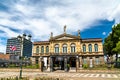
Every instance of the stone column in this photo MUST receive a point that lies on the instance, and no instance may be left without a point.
(101, 59)
(88, 61)
(77, 63)
(48, 69)
(94, 61)
(65, 64)
(33, 60)
(40, 64)
(80, 59)
(51, 64)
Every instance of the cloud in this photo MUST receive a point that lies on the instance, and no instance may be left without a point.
(2, 46)
(40, 17)
(104, 33)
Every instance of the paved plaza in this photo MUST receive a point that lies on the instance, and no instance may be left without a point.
(70, 76)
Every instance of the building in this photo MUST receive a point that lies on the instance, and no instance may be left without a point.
(22, 46)
(1, 52)
(67, 51)
(5, 56)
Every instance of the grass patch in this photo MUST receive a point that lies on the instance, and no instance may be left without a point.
(31, 67)
(100, 67)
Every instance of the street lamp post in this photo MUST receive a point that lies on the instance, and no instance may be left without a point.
(21, 44)
(21, 70)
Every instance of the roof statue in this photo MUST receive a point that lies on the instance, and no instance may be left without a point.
(79, 33)
(65, 29)
(51, 34)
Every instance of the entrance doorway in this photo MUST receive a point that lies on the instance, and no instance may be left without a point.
(91, 63)
(58, 63)
(72, 61)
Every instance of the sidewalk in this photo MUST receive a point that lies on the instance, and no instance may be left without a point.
(79, 71)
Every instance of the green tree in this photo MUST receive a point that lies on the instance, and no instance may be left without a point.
(116, 39)
(108, 45)
(111, 43)
(117, 48)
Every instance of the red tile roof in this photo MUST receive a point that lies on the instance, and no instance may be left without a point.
(5, 56)
(41, 42)
(92, 40)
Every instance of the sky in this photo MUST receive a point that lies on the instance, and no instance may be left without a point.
(94, 18)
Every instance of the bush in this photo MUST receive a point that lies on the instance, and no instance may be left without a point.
(12, 65)
(85, 66)
(36, 66)
(101, 66)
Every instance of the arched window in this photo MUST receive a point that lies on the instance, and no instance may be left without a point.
(47, 49)
(90, 47)
(72, 48)
(96, 47)
(65, 48)
(42, 49)
(84, 48)
(37, 49)
(56, 48)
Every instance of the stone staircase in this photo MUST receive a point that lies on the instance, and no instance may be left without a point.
(72, 69)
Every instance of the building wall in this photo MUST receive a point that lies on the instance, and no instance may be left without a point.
(27, 47)
(61, 43)
(100, 46)
(5, 56)
(79, 47)
(13, 42)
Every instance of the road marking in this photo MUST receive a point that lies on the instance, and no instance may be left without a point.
(108, 76)
(115, 76)
(103, 75)
(97, 75)
(76, 75)
(80, 75)
(92, 75)
(86, 75)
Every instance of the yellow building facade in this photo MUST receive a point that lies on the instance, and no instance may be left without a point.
(67, 52)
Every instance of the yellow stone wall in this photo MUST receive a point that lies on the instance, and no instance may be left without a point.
(61, 43)
(35, 46)
(78, 44)
(100, 46)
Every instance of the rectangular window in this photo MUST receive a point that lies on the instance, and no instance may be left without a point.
(84, 60)
(97, 60)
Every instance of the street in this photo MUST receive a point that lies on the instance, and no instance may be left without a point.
(66, 76)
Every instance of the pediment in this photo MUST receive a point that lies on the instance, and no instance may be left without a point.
(65, 37)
